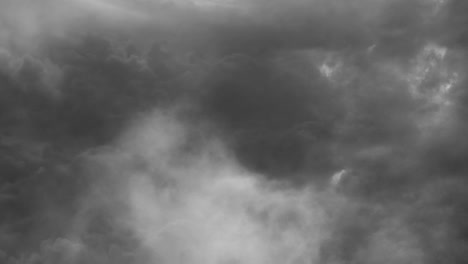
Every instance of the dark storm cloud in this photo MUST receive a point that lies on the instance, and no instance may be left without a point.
(362, 102)
(241, 26)
(274, 110)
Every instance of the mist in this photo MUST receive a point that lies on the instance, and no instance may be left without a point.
(233, 131)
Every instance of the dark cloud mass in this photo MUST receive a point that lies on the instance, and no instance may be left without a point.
(233, 131)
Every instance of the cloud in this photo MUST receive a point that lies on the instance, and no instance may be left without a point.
(305, 131)
(202, 207)
(224, 26)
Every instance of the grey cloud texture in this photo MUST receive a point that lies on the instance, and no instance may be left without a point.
(304, 131)
(235, 25)
(205, 208)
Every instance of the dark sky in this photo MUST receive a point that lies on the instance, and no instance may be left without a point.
(233, 131)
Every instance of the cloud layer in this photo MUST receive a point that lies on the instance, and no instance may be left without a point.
(249, 131)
